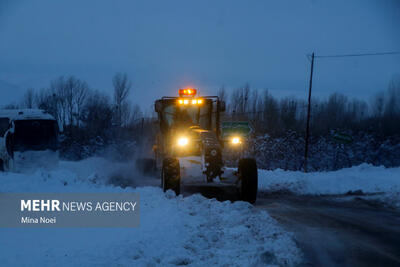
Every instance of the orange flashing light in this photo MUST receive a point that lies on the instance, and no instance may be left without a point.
(187, 92)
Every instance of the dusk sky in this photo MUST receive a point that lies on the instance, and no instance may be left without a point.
(164, 45)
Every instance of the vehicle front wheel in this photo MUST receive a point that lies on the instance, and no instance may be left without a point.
(248, 175)
(170, 175)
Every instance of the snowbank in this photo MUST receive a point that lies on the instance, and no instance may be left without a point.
(173, 230)
(365, 177)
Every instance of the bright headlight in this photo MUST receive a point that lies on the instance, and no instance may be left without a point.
(235, 140)
(183, 141)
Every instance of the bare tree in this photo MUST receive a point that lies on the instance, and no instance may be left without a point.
(58, 96)
(69, 88)
(64, 99)
(357, 110)
(45, 101)
(254, 105)
(392, 107)
(136, 114)
(391, 114)
(222, 93)
(245, 98)
(97, 114)
(235, 102)
(29, 98)
(378, 104)
(240, 101)
(288, 111)
(126, 109)
(79, 100)
(69, 95)
(122, 87)
(270, 113)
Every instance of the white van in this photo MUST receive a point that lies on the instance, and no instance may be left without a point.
(28, 138)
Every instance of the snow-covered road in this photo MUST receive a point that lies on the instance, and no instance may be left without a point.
(338, 230)
(190, 230)
(173, 230)
(338, 218)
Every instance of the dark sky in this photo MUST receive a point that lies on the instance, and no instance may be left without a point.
(164, 45)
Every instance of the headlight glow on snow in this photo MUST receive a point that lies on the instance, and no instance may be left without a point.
(183, 141)
(235, 140)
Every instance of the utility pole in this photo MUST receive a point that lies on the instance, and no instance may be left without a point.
(308, 114)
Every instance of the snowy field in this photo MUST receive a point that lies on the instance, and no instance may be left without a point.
(192, 231)
(365, 177)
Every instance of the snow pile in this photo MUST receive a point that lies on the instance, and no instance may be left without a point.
(365, 178)
(173, 230)
(392, 198)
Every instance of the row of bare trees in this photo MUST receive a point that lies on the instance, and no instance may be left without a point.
(75, 104)
(65, 99)
(92, 120)
(274, 116)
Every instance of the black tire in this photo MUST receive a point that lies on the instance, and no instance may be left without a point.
(248, 175)
(171, 176)
(1, 165)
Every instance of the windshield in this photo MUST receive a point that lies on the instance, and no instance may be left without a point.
(4, 125)
(187, 115)
(35, 135)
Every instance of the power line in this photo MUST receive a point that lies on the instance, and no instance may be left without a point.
(357, 55)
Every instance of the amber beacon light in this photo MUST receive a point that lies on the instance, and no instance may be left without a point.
(187, 92)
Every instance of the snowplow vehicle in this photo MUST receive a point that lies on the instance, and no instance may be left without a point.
(189, 146)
